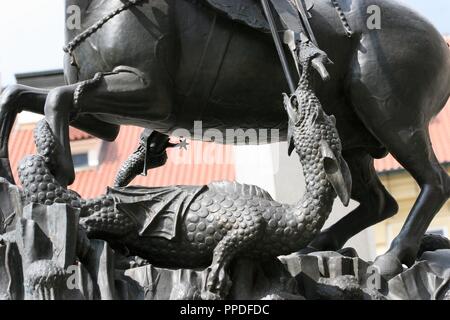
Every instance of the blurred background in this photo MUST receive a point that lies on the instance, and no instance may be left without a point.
(31, 41)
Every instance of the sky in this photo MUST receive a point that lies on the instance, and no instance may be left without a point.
(32, 33)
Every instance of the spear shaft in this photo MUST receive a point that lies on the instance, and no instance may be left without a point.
(278, 44)
(305, 21)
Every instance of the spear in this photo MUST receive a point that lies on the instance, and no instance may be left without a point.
(278, 44)
(305, 21)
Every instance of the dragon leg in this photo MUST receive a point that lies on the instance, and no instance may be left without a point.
(218, 281)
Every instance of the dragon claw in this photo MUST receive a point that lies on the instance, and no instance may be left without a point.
(218, 284)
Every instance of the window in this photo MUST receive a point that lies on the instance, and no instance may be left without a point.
(86, 153)
(437, 232)
(80, 160)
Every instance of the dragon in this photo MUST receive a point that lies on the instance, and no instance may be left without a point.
(208, 226)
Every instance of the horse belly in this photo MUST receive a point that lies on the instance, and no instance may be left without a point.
(229, 75)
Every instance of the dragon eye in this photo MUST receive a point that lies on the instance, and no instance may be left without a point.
(294, 102)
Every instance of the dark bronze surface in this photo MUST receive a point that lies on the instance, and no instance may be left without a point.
(166, 63)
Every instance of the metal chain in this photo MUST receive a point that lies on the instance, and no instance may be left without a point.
(83, 86)
(343, 18)
(72, 45)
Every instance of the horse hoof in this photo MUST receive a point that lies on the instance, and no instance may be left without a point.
(388, 266)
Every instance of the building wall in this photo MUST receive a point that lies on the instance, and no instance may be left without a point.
(405, 190)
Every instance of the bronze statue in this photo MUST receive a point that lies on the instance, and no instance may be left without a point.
(163, 64)
(201, 226)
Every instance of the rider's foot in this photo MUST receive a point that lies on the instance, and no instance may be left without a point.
(150, 154)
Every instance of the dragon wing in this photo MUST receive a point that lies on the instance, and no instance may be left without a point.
(156, 211)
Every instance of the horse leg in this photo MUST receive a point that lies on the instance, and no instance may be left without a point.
(401, 124)
(396, 96)
(415, 153)
(375, 204)
(14, 99)
(57, 110)
(17, 98)
(123, 96)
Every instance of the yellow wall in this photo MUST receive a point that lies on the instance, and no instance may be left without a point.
(405, 190)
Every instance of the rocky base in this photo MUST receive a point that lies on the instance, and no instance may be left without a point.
(44, 256)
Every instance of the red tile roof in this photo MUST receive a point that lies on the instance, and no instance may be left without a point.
(76, 135)
(93, 182)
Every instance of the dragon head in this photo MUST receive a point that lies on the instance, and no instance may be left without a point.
(314, 136)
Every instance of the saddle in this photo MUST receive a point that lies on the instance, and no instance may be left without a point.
(251, 14)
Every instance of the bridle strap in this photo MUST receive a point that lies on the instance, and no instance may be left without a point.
(79, 39)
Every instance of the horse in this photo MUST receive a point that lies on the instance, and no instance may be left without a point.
(162, 64)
